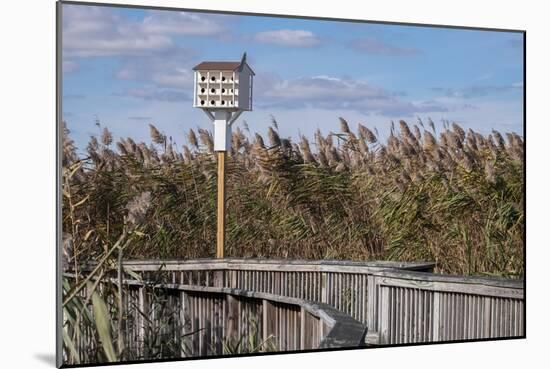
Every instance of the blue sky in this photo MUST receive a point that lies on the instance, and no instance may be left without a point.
(131, 67)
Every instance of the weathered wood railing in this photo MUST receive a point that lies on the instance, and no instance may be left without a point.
(169, 320)
(340, 284)
(399, 302)
(285, 323)
(409, 307)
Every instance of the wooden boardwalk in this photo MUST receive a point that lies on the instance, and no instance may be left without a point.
(188, 321)
(213, 307)
(399, 302)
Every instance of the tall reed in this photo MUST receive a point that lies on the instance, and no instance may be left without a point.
(454, 196)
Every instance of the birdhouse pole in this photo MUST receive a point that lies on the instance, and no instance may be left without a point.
(223, 90)
(220, 232)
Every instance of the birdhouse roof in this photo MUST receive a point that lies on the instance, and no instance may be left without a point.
(222, 65)
(218, 65)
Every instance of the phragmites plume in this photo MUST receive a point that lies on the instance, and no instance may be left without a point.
(156, 136)
(306, 150)
(206, 139)
(344, 127)
(319, 140)
(121, 147)
(169, 153)
(130, 145)
(405, 131)
(429, 141)
(367, 134)
(192, 137)
(471, 140)
(417, 132)
(490, 172)
(274, 139)
(454, 140)
(187, 155)
(322, 159)
(259, 140)
(93, 145)
(69, 150)
(468, 161)
(274, 123)
(361, 129)
(238, 140)
(499, 139)
(106, 137)
(286, 145)
(431, 124)
(363, 148)
(139, 154)
(137, 209)
(459, 132)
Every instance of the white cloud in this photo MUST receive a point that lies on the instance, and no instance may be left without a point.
(373, 46)
(325, 92)
(145, 47)
(182, 23)
(478, 90)
(171, 68)
(154, 93)
(288, 37)
(97, 31)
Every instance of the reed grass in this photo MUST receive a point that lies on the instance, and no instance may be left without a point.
(451, 195)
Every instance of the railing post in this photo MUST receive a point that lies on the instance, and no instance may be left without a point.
(232, 314)
(232, 278)
(303, 313)
(324, 295)
(436, 317)
(142, 306)
(372, 336)
(185, 320)
(218, 278)
(383, 327)
(487, 317)
(265, 320)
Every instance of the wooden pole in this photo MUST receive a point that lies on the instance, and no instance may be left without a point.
(220, 239)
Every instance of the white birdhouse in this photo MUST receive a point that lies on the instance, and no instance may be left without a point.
(223, 85)
(223, 90)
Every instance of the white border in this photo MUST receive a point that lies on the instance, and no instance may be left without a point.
(27, 185)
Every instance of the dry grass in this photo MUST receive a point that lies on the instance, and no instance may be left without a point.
(451, 196)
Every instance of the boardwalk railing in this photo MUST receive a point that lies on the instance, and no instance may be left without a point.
(340, 284)
(408, 307)
(173, 320)
(399, 302)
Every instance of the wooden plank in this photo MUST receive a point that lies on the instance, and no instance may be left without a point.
(455, 286)
(265, 320)
(372, 304)
(436, 318)
(324, 292)
(384, 315)
(142, 321)
(232, 316)
(274, 264)
(302, 328)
